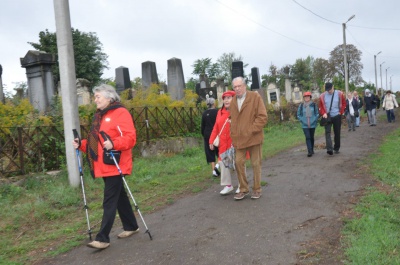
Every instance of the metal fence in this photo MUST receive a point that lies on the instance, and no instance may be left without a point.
(36, 149)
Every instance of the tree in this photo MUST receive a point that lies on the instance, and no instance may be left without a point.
(321, 71)
(353, 60)
(301, 72)
(90, 60)
(205, 66)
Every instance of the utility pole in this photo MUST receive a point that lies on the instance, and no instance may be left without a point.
(68, 85)
(376, 78)
(346, 73)
(381, 79)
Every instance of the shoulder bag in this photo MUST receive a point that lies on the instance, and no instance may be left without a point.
(216, 140)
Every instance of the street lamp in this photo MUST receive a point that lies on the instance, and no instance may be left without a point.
(381, 80)
(346, 74)
(386, 77)
(391, 82)
(376, 78)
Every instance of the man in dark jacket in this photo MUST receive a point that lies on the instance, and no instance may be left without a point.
(370, 106)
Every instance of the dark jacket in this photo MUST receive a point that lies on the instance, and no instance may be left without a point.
(370, 102)
(207, 122)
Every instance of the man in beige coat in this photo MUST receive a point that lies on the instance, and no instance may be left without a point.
(248, 118)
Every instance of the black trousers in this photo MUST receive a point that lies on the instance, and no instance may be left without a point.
(336, 122)
(115, 199)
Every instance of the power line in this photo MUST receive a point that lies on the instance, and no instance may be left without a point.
(341, 23)
(265, 27)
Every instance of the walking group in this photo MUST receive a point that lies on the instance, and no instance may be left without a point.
(238, 124)
(332, 106)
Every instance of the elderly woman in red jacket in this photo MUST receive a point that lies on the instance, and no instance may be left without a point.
(115, 120)
(222, 128)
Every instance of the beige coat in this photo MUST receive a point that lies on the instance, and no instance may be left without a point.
(389, 102)
(247, 125)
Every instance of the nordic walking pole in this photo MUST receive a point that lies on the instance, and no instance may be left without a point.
(105, 137)
(76, 136)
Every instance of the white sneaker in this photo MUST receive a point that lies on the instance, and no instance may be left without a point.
(226, 190)
(237, 190)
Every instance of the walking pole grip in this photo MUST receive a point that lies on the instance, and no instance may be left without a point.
(76, 136)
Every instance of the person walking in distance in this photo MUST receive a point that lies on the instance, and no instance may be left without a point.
(222, 128)
(248, 118)
(207, 123)
(307, 114)
(116, 121)
(389, 103)
(360, 104)
(351, 111)
(332, 103)
(371, 104)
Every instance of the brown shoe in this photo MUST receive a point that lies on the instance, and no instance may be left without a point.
(98, 245)
(241, 195)
(127, 233)
(256, 195)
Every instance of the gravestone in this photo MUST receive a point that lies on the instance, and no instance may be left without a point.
(237, 69)
(255, 78)
(175, 79)
(41, 88)
(122, 79)
(297, 95)
(149, 74)
(82, 91)
(2, 99)
(315, 91)
(288, 90)
(273, 94)
(204, 82)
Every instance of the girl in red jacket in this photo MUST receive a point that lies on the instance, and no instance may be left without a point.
(222, 128)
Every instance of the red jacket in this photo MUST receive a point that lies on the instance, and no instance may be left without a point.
(225, 140)
(118, 124)
(322, 105)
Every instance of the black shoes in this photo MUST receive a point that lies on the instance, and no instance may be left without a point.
(330, 152)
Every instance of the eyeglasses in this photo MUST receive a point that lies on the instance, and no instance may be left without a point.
(237, 87)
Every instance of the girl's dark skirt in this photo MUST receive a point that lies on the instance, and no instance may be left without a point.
(210, 154)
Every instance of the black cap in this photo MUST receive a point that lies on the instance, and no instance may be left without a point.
(328, 86)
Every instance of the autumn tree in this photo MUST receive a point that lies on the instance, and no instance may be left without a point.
(353, 61)
(90, 60)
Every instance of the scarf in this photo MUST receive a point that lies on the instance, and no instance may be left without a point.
(307, 105)
(351, 108)
(93, 137)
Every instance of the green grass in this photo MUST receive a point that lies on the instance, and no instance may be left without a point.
(44, 216)
(374, 236)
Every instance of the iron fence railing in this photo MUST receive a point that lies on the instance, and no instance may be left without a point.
(36, 149)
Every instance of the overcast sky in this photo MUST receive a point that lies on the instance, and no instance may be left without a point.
(263, 32)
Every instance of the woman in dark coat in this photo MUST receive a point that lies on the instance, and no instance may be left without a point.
(207, 123)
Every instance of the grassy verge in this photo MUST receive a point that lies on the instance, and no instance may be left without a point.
(43, 216)
(374, 236)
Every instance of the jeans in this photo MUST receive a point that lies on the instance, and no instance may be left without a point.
(372, 116)
(309, 134)
(351, 121)
(336, 122)
(390, 115)
(358, 118)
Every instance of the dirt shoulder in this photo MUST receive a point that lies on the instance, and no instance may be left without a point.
(296, 221)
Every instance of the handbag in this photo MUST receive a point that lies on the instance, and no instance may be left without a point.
(108, 159)
(216, 140)
(228, 158)
(327, 120)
